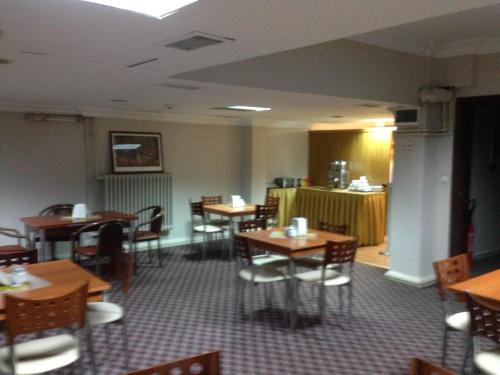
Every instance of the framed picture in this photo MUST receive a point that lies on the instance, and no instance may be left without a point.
(136, 152)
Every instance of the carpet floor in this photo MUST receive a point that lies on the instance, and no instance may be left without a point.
(188, 306)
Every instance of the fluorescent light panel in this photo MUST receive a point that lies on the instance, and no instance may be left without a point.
(248, 108)
(153, 8)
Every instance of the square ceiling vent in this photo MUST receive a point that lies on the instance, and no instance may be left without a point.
(194, 41)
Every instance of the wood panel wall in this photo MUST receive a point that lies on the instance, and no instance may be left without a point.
(368, 153)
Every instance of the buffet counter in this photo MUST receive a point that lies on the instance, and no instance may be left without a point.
(364, 213)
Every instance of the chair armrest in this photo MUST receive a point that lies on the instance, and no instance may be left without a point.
(156, 217)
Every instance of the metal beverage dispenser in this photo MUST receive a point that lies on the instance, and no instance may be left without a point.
(338, 175)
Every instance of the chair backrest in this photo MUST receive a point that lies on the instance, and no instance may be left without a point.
(35, 315)
(211, 199)
(340, 252)
(201, 364)
(14, 233)
(271, 200)
(120, 268)
(242, 250)
(110, 238)
(196, 208)
(266, 211)
(451, 271)
(334, 228)
(422, 367)
(484, 318)
(57, 209)
(154, 219)
(252, 225)
(18, 257)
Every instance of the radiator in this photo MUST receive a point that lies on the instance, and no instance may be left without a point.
(131, 192)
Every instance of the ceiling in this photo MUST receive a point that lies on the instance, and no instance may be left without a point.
(71, 56)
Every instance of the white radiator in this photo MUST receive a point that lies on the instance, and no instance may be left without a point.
(131, 192)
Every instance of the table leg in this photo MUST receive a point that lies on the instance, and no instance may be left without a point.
(231, 237)
(41, 250)
(291, 298)
(131, 248)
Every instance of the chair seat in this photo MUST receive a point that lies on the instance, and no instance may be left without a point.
(270, 260)
(459, 321)
(261, 274)
(11, 249)
(331, 277)
(314, 262)
(219, 222)
(88, 251)
(103, 312)
(145, 236)
(208, 229)
(488, 361)
(41, 355)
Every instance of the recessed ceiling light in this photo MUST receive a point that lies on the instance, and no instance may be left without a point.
(118, 100)
(4, 61)
(336, 116)
(152, 8)
(248, 108)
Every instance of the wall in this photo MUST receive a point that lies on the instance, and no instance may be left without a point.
(41, 163)
(367, 154)
(203, 160)
(276, 153)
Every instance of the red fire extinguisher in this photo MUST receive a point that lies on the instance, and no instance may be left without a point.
(470, 229)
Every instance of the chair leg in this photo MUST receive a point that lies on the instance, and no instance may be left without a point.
(158, 248)
(467, 350)
(322, 302)
(445, 339)
(252, 292)
(53, 250)
(149, 251)
(341, 301)
(106, 338)
(125, 343)
(90, 346)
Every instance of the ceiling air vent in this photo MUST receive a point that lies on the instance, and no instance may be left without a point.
(194, 41)
(180, 86)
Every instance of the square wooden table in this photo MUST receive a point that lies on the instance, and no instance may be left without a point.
(293, 248)
(230, 212)
(41, 224)
(62, 275)
(485, 286)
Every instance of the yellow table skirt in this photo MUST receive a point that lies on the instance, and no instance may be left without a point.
(287, 204)
(364, 213)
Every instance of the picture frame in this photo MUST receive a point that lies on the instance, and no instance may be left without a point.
(136, 152)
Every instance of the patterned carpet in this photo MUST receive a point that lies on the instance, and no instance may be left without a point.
(187, 307)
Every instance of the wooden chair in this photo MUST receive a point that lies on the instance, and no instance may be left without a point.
(272, 200)
(264, 258)
(422, 367)
(340, 254)
(18, 258)
(254, 275)
(485, 323)
(214, 199)
(120, 268)
(201, 364)
(199, 225)
(109, 240)
(52, 236)
(268, 212)
(18, 247)
(44, 354)
(316, 260)
(451, 271)
(149, 230)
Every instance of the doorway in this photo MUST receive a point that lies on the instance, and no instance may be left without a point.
(476, 175)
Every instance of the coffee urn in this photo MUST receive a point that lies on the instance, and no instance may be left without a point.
(338, 175)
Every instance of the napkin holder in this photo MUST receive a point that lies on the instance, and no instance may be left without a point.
(300, 225)
(237, 201)
(79, 211)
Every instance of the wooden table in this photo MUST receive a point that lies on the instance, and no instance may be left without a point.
(485, 286)
(41, 224)
(230, 212)
(293, 248)
(63, 275)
